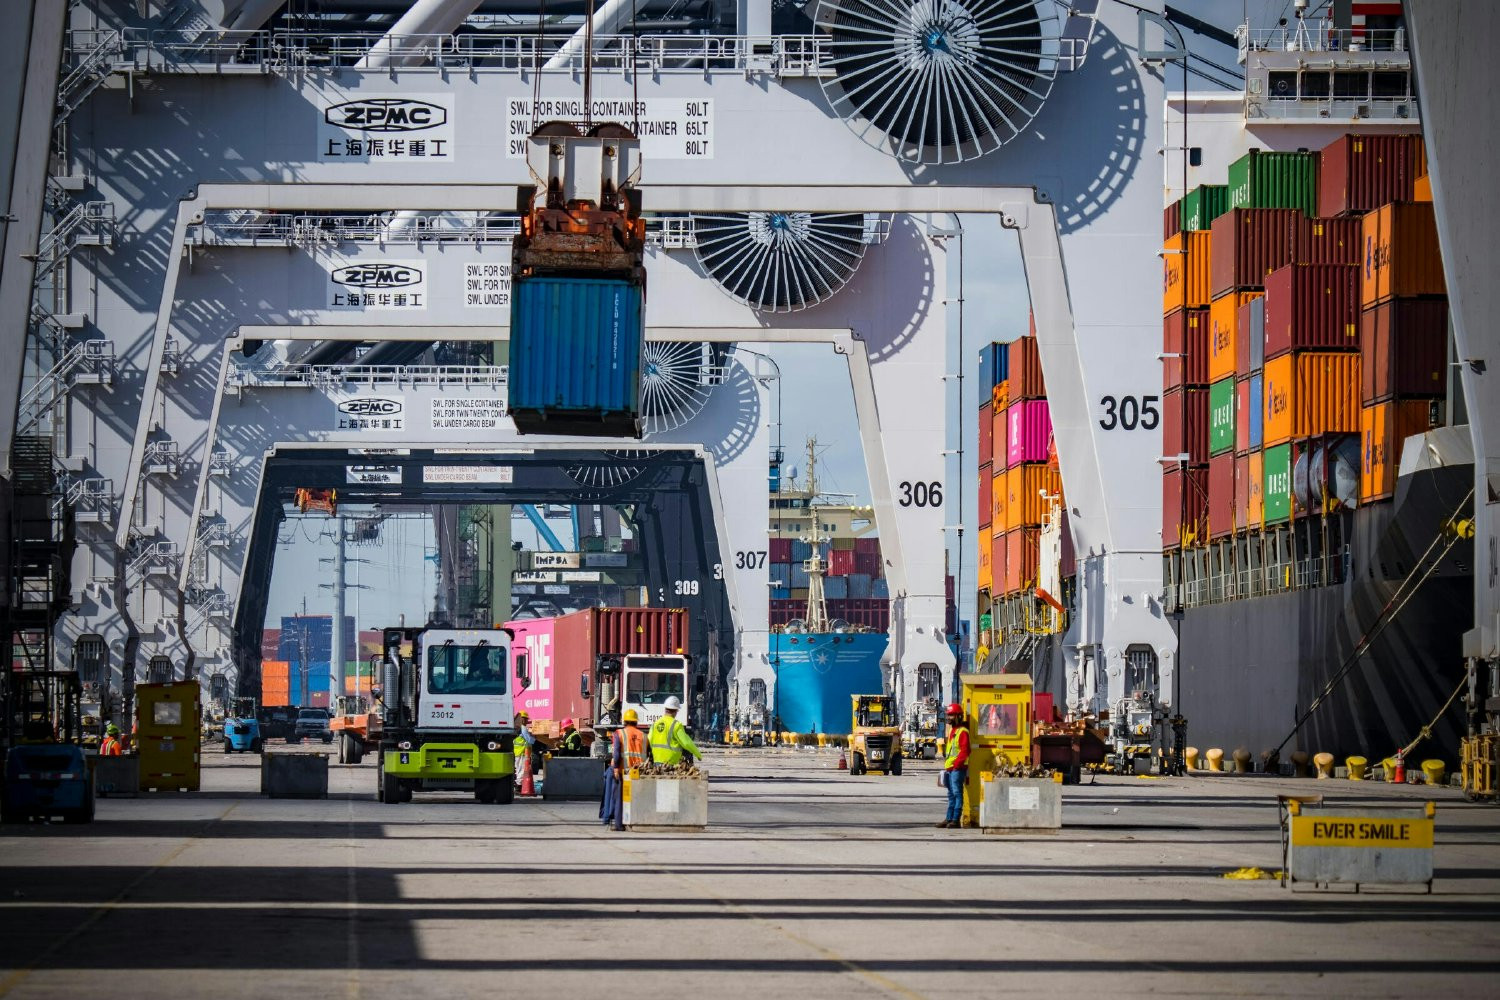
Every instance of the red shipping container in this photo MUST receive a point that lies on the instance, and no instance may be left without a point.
(1184, 424)
(1250, 243)
(868, 563)
(999, 430)
(1025, 370)
(1221, 495)
(1242, 416)
(1184, 506)
(1404, 343)
(1312, 307)
(841, 562)
(986, 495)
(867, 546)
(1171, 220)
(987, 432)
(317, 699)
(781, 550)
(1359, 173)
(1328, 241)
(270, 643)
(997, 562)
(1185, 333)
(1241, 490)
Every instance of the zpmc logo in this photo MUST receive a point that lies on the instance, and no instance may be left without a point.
(377, 275)
(386, 114)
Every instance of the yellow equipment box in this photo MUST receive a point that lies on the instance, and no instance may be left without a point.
(997, 711)
(168, 719)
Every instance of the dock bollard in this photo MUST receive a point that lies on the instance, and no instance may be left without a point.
(1388, 769)
(1356, 766)
(1216, 759)
(1324, 763)
(1192, 758)
(1433, 771)
(1299, 763)
(1241, 761)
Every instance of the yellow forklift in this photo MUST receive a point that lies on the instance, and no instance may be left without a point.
(875, 736)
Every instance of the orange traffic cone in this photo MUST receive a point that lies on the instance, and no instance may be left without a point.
(1400, 776)
(843, 760)
(528, 783)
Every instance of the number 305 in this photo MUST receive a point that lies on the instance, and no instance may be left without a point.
(1130, 412)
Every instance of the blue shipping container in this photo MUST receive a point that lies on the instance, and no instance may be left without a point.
(799, 576)
(575, 356)
(861, 586)
(779, 593)
(1257, 410)
(880, 588)
(835, 588)
(801, 550)
(994, 365)
(781, 574)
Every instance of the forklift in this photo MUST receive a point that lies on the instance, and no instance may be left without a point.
(874, 739)
(242, 728)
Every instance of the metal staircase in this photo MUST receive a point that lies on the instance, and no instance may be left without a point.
(92, 57)
(88, 362)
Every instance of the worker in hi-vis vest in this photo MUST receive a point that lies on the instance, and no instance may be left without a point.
(627, 752)
(669, 738)
(955, 765)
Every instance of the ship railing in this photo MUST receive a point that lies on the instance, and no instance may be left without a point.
(246, 228)
(1402, 108)
(267, 51)
(336, 376)
(1318, 37)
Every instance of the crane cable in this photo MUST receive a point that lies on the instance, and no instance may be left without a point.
(1393, 607)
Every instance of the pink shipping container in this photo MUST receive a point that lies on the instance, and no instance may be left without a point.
(1250, 243)
(841, 562)
(1221, 495)
(1359, 173)
(1030, 432)
(1184, 424)
(1312, 307)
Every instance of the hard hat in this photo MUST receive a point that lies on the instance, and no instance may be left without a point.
(955, 709)
(631, 716)
(522, 715)
(112, 729)
(673, 704)
(567, 723)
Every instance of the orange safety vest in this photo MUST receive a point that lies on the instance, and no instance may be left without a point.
(110, 747)
(632, 747)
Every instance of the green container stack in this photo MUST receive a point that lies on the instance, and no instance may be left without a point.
(1202, 205)
(1221, 416)
(1276, 483)
(1274, 180)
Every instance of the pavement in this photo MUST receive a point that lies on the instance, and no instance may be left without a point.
(809, 883)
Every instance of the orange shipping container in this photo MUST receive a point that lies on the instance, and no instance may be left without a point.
(1255, 513)
(1310, 393)
(986, 556)
(1025, 484)
(1022, 547)
(998, 504)
(1185, 272)
(275, 668)
(1224, 333)
(1423, 189)
(1401, 256)
(1383, 428)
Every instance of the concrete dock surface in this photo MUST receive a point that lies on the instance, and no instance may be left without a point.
(809, 883)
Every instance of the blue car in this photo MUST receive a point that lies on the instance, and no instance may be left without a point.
(46, 780)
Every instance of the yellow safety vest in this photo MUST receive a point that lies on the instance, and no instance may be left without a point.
(952, 747)
(519, 748)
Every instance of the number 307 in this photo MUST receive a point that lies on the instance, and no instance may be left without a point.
(1130, 412)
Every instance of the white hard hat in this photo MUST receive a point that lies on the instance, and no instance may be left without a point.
(673, 704)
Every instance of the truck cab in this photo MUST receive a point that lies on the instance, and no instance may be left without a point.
(650, 681)
(447, 713)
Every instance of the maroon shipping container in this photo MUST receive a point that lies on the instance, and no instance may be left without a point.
(986, 495)
(1242, 416)
(872, 613)
(1312, 307)
(841, 562)
(1328, 241)
(986, 431)
(1184, 424)
(1171, 220)
(1405, 347)
(270, 643)
(1184, 515)
(1025, 370)
(867, 546)
(868, 563)
(1221, 495)
(1067, 556)
(1249, 243)
(1359, 173)
(1185, 333)
(781, 550)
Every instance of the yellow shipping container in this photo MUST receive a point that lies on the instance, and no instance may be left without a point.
(1185, 280)
(1026, 484)
(1311, 393)
(1401, 257)
(1224, 333)
(999, 504)
(1255, 510)
(1382, 430)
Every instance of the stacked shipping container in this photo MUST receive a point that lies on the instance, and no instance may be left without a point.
(854, 584)
(1305, 335)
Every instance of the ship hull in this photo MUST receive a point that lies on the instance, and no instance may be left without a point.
(816, 674)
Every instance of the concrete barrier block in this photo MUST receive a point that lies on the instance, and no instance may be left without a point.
(573, 778)
(294, 775)
(657, 803)
(119, 777)
(1015, 804)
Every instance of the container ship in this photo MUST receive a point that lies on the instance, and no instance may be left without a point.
(830, 604)
(1316, 473)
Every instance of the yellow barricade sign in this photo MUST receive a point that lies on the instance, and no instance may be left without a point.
(1350, 831)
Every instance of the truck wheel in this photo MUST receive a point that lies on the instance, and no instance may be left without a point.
(228, 747)
(390, 789)
(407, 788)
(895, 765)
(505, 791)
(929, 753)
(857, 763)
(486, 791)
(343, 750)
(356, 750)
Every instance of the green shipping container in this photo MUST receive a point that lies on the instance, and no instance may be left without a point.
(1202, 205)
(1274, 180)
(1276, 483)
(1221, 416)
